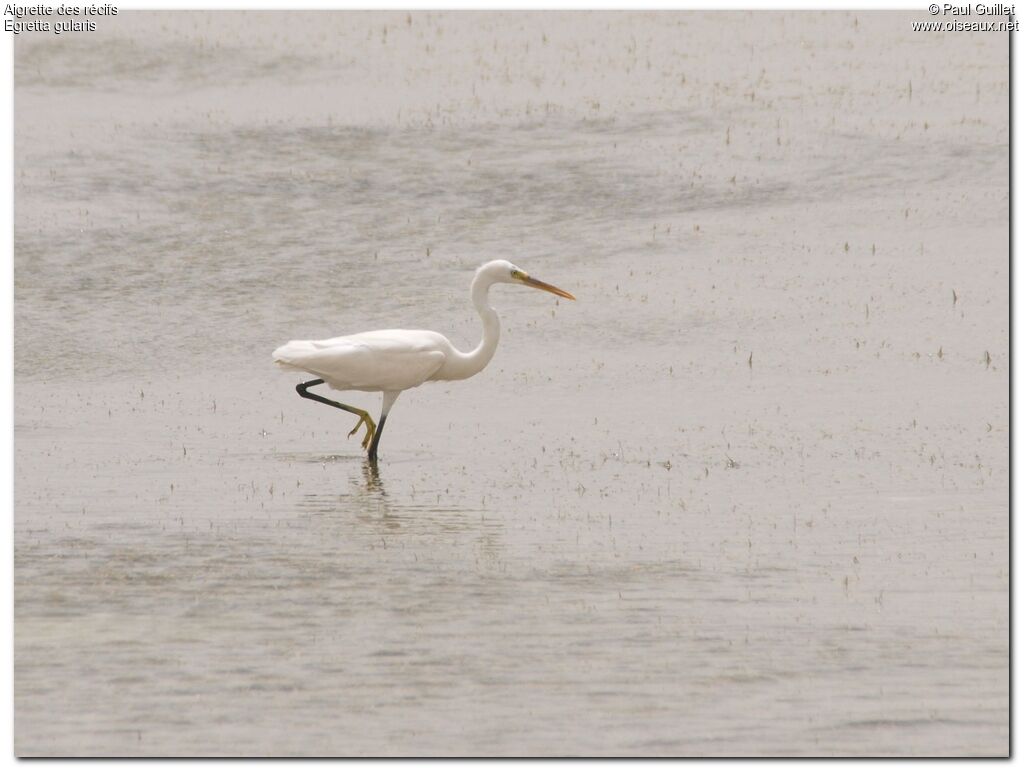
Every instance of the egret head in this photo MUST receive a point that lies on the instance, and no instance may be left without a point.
(502, 271)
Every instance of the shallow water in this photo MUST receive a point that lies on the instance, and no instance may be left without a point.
(748, 495)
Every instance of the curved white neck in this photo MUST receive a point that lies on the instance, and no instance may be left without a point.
(471, 363)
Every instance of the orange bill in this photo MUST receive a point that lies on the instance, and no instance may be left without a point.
(534, 283)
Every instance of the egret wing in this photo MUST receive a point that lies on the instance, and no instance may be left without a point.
(377, 361)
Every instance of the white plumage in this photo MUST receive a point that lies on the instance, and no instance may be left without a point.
(375, 361)
(395, 360)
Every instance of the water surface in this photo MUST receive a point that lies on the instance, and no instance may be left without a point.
(748, 495)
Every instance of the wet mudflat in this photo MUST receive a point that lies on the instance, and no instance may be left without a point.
(748, 495)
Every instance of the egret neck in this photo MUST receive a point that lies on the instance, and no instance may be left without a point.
(471, 363)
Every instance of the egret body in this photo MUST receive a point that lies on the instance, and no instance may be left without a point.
(393, 361)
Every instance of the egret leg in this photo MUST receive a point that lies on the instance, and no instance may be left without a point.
(389, 400)
(364, 417)
(376, 438)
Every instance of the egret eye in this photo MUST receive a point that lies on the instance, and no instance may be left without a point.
(516, 274)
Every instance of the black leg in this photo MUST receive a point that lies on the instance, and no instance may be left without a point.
(364, 417)
(376, 438)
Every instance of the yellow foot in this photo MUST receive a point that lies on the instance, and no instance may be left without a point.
(364, 418)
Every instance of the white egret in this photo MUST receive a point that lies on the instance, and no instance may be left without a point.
(395, 360)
